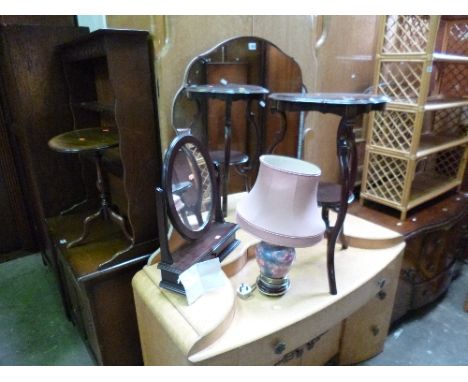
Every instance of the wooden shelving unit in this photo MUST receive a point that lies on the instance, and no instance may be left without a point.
(109, 77)
(417, 150)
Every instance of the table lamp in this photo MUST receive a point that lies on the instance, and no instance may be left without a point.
(282, 211)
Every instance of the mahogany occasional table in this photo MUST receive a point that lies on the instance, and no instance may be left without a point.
(228, 93)
(348, 106)
(95, 140)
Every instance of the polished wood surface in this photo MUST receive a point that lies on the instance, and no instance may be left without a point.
(437, 242)
(111, 84)
(230, 93)
(246, 62)
(99, 302)
(232, 72)
(50, 20)
(35, 108)
(110, 87)
(453, 207)
(305, 326)
(344, 62)
(348, 106)
(16, 232)
(82, 140)
(211, 237)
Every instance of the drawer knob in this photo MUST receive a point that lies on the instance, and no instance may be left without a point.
(280, 348)
(381, 295)
(375, 330)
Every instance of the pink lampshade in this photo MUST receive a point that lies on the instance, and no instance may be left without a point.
(281, 208)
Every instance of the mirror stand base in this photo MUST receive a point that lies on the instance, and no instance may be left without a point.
(198, 251)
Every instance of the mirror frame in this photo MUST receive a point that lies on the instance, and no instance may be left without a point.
(201, 56)
(168, 171)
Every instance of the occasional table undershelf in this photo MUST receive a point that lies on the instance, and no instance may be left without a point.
(307, 325)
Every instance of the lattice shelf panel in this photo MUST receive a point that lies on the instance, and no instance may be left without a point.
(406, 34)
(386, 177)
(449, 121)
(417, 149)
(401, 80)
(457, 37)
(453, 78)
(393, 130)
(443, 164)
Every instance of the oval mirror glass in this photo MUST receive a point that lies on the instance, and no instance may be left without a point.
(190, 189)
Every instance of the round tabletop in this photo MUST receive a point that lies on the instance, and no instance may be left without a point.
(230, 90)
(81, 140)
(330, 98)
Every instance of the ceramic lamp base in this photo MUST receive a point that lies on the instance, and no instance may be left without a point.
(274, 262)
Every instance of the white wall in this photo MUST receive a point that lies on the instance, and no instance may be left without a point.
(92, 21)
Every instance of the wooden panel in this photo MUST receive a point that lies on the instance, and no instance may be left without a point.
(428, 291)
(185, 37)
(99, 303)
(114, 317)
(345, 64)
(66, 20)
(35, 97)
(434, 236)
(282, 75)
(16, 233)
(342, 64)
(317, 351)
(364, 331)
(448, 209)
(137, 119)
(111, 72)
(235, 73)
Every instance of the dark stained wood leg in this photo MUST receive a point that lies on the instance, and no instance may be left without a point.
(73, 207)
(105, 210)
(86, 224)
(326, 218)
(218, 211)
(344, 242)
(227, 155)
(121, 222)
(345, 143)
(280, 134)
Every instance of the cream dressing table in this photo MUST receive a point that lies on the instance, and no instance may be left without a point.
(306, 326)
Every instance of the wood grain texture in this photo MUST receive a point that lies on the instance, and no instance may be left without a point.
(114, 67)
(170, 329)
(344, 63)
(16, 232)
(35, 99)
(57, 20)
(99, 302)
(436, 239)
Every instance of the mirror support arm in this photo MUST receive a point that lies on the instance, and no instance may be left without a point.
(218, 211)
(162, 227)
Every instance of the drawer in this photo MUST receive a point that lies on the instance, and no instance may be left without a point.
(365, 331)
(288, 346)
(315, 352)
(294, 345)
(428, 291)
(433, 253)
